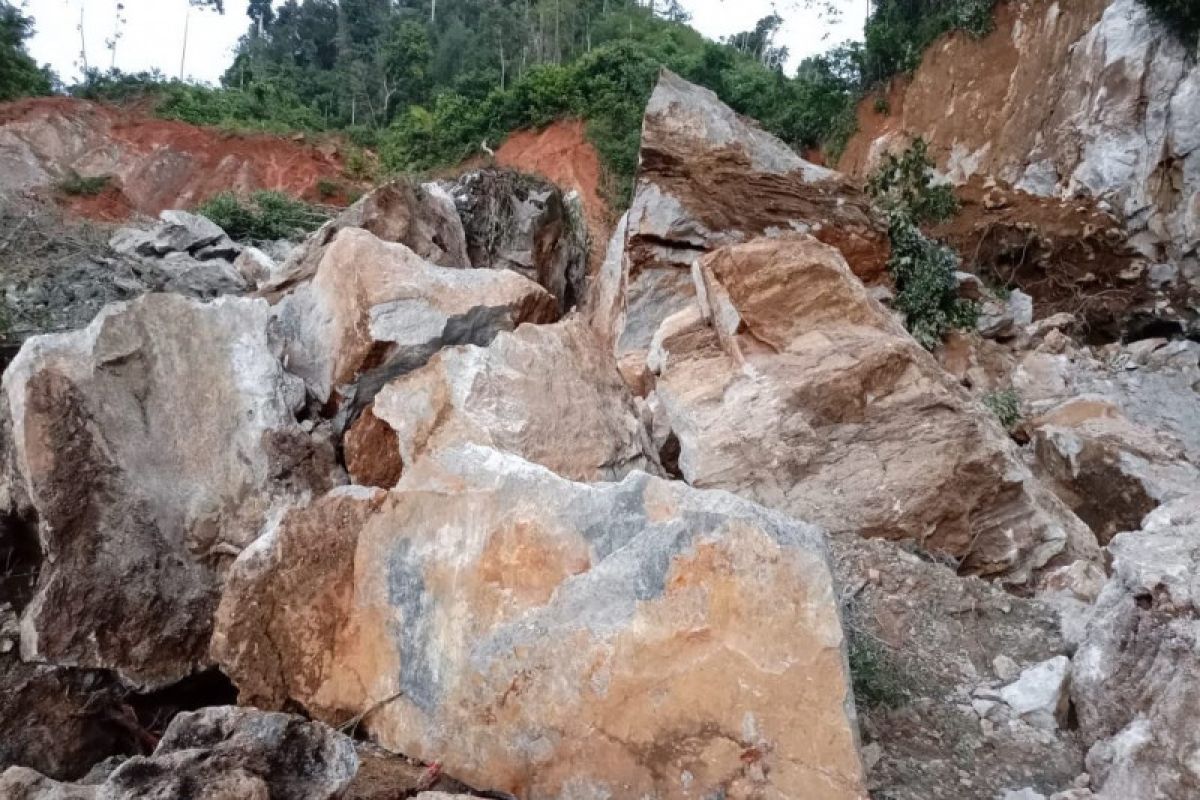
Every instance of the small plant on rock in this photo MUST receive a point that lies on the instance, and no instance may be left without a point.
(926, 291)
(1006, 405)
(77, 185)
(876, 678)
(905, 184)
(262, 216)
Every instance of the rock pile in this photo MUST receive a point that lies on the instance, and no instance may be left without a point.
(709, 525)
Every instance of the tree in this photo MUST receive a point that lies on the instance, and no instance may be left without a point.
(19, 74)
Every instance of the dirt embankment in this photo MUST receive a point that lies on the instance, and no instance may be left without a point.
(153, 163)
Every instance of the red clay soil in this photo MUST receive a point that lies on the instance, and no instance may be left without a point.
(156, 163)
(561, 153)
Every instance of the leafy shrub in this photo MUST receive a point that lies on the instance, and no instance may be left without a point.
(328, 189)
(926, 291)
(875, 676)
(77, 185)
(19, 73)
(1006, 405)
(262, 216)
(905, 184)
(1182, 17)
(899, 31)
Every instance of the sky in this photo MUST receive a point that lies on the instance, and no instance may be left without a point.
(154, 32)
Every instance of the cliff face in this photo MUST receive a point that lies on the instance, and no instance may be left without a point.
(1083, 98)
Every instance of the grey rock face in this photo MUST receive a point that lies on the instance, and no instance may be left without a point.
(148, 450)
(219, 753)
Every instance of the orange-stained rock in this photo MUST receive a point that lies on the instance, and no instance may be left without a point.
(548, 393)
(553, 639)
(709, 178)
(375, 309)
(372, 451)
(804, 394)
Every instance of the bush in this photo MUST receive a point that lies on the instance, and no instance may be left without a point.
(905, 184)
(926, 291)
(1006, 405)
(78, 186)
(876, 678)
(263, 216)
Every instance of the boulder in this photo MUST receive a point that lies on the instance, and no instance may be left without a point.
(422, 217)
(372, 451)
(709, 178)
(554, 639)
(176, 232)
(524, 223)
(219, 753)
(548, 393)
(374, 310)
(797, 390)
(1136, 684)
(149, 449)
(1039, 696)
(1108, 470)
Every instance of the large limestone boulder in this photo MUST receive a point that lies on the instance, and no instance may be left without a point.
(422, 217)
(1109, 470)
(149, 448)
(526, 224)
(548, 393)
(219, 753)
(1136, 680)
(374, 310)
(792, 387)
(709, 178)
(555, 639)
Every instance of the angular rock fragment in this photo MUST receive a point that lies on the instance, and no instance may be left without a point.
(1136, 680)
(526, 224)
(802, 393)
(219, 753)
(1111, 472)
(1039, 696)
(374, 310)
(709, 178)
(149, 448)
(554, 639)
(548, 393)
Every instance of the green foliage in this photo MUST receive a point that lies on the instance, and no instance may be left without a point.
(262, 216)
(875, 675)
(328, 189)
(1182, 17)
(1006, 405)
(926, 291)
(899, 31)
(19, 74)
(905, 184)
(77, 185)
(266, 107)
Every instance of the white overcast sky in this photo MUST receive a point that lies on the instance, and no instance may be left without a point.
(154, 33)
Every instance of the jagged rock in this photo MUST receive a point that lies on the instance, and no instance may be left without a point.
(422, 217)
(183, 274)
(374, 310)
(1002, 319)
(523, 223)
(1039, 696)
(255, 266)
(149, 448)
(219, 753)
(1116, 97)
(709, 178)
(1136, 682)
(176, 232)
(805, 395)
(372, 451)
(1111, 472)
(548, 393)
(555, 639)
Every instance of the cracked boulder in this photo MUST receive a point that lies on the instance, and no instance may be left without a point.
(219, 753)
(1110, 471)
(554, 639)
(524, 223)
(548, 393)
(374, 310)
(147, 450)
(709, 178)
(1136, 677)
(792, 387)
